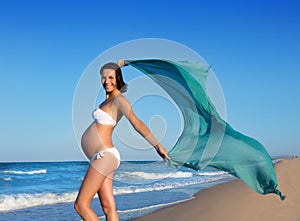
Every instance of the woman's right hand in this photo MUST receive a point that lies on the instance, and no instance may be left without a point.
(162, 152)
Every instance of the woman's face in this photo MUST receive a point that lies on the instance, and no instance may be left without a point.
(108, 79)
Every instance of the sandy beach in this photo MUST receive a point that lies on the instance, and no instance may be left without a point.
(234, 201)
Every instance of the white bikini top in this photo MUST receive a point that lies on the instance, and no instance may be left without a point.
(101, 117)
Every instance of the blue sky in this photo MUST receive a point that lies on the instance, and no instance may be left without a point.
(45, 46)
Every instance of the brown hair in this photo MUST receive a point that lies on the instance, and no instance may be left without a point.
(121, 85)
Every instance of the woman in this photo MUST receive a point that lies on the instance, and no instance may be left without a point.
(97, 145)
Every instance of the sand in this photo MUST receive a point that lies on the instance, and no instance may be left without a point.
(234, 201)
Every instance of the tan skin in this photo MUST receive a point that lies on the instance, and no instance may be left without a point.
(98, 183)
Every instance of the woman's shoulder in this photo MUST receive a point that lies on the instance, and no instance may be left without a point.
(122, 102)
(120, 98)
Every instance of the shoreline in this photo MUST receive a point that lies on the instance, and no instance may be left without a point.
(234, 200)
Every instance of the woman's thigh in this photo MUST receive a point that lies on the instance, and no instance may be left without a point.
(106, 195)
(100, 172)
(91, 184)
(106, 165)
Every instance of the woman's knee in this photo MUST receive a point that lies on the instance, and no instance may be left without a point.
(109, 208)
(81, 206)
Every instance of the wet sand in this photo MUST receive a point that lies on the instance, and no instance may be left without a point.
(235, 201)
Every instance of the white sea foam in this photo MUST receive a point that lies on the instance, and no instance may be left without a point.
(158, 187)
(25, 172)
(9, 202)
(21, 201)
(216, 173)
(154, 176)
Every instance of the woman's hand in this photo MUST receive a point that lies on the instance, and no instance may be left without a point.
(162, 152)
(121, 63)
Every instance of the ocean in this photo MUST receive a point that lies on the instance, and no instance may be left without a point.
(47, 190)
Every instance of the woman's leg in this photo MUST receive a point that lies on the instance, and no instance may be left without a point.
(99, 171)
(107, 200)
(90, 185)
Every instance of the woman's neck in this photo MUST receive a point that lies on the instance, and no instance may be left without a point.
(112, 94)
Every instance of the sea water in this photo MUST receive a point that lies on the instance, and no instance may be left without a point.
(47, 190)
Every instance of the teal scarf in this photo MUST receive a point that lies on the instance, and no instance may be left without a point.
(206, 139)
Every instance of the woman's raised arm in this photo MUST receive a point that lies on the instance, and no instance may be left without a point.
(126, 109)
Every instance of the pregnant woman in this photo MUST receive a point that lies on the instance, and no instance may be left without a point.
(97, 145)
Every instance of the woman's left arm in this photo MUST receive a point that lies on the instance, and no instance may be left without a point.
(140, 127)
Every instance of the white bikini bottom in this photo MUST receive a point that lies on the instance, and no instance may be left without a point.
(101, 154)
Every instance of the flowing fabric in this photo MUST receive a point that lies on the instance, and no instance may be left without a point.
(206, 139)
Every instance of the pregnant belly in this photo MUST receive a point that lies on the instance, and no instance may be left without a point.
(90, 141)
(93, 141)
